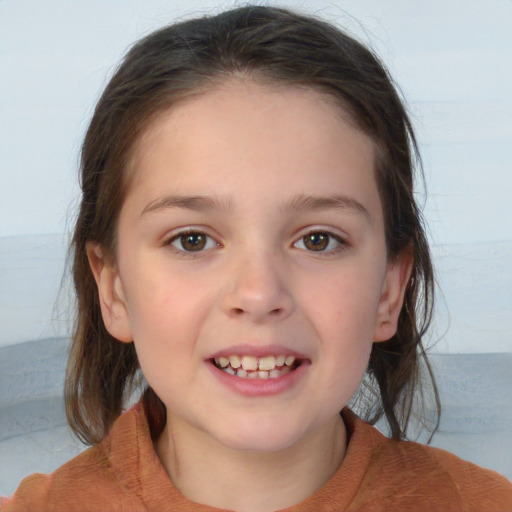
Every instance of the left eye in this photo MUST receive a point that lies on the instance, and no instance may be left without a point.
(319, 241)
(192, 242)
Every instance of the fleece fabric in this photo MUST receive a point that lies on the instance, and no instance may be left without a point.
(124, 474)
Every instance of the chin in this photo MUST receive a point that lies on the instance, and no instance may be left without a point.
(260, 443)
(261, 436)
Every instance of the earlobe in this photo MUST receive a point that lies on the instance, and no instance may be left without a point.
(111, 294)
(391, 301)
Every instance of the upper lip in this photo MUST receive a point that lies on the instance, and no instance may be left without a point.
(257, 351)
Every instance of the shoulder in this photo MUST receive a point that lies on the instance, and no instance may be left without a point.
(443, 478)
(476, 486)
(88, 480)
(69, 485)
(403, 472)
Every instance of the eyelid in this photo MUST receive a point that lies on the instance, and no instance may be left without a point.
(177, 233)
(341, 239)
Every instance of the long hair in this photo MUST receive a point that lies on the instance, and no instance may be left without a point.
(270, 45)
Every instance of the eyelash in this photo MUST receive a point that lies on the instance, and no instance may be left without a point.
(187, 232)
(342, 244)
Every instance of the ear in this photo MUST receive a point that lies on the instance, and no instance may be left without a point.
(397, 277)
(111, 294)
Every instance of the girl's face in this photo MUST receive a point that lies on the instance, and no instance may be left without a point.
(251, 264)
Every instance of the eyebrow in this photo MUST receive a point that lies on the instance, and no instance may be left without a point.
(330, 202)
(197, 203)
(298, 203)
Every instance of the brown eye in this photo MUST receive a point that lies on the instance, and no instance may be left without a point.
(192, 242)
(316, 241)
(322, 242)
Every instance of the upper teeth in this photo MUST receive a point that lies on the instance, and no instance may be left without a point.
(248, 363)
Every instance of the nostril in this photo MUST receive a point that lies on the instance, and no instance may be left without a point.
(242, 311)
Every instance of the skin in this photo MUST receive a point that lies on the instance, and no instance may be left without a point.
(255, 152)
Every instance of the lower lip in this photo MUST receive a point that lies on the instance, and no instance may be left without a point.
(260, 387)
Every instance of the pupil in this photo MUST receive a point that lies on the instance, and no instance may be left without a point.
(316, 241)
(193, 242)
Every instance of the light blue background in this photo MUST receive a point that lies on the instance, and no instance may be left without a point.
(452, 60)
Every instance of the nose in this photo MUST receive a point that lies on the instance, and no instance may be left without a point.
(257, 288)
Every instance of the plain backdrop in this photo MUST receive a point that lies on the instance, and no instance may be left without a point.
(453, 62)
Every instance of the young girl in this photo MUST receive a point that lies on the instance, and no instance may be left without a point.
(248, 250)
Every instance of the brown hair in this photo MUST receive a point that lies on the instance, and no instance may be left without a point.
(270, 45)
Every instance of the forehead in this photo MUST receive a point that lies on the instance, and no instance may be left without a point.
(293, 138)
(301, 104)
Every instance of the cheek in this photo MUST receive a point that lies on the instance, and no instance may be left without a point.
(165, 330)
(346, 304)
(344, 318)
(166, 310)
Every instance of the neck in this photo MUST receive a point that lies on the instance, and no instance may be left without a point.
(208, 472)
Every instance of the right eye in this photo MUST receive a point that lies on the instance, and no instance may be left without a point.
(322, 242)
(192, 241)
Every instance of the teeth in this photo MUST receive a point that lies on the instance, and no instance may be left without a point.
(250, 367)
(267, 363)
(222, 361)
(280, 360)
(249, 363)
(235, 362)
(259, 374)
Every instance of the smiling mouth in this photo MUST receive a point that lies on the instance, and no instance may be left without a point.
(250, 367)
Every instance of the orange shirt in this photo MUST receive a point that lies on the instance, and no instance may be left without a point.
(123, 473)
